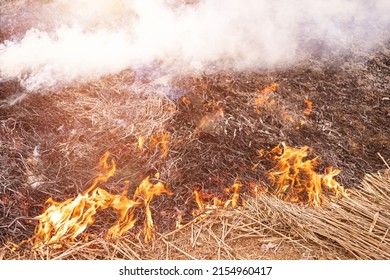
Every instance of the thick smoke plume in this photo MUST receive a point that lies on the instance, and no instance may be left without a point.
(59, 42)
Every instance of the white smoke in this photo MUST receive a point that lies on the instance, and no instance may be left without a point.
(69, 41)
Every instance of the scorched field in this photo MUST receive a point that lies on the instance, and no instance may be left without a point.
(194, 130)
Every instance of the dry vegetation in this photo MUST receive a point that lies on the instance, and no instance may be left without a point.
(51, 141)
(357, 227)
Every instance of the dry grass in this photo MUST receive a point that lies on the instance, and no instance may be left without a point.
(84, 122)
(79, 125)
(354, 227)
(50, 142)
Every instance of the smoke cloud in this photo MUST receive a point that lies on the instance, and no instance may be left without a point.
(66, 41)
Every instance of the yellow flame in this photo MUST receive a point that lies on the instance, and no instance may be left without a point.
(234, 195)
(185, 100)
(257, 189)
(295, 179)
(145, 192)
(210, 119)
(265, 95)
(141, 142)
(309, 107)
(161, 140)
(270, 88)
(199, 200)
(233, 201)
(67, 220)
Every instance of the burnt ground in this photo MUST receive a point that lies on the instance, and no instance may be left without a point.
(51, 141)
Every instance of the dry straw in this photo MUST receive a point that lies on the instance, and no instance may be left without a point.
(353, 227)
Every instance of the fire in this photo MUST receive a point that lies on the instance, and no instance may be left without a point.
(301, 124)
(265, 96)
(287, 117)
(309, 107)
(145, 192)
(263, 99)
(257, 189)
(270, 88)
(199, 200)
(66, 220)
(141, 142)
(210, 121)
(161, 140)
(233, 193)
(185, 100)
(295, 180)
(233, 201)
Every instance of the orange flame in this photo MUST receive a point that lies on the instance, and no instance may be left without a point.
(287, 117)
(199, 200)
(257, 189)
(185, 100)
(233, 201)
(233, 192)
(295, 179)
(270, 88)
(141, 142)
(145, 192)
(301, 124)
(309, 108)
(161, 140)
(67, 220)
(265, 95)
(210, 120)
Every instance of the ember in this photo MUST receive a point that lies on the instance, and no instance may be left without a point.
(309, 108)
(264, 98)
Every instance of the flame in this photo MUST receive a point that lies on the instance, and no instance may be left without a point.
(257, 189)
(141, 142)
(145, 192)
(200, 197)
(66, 220)
(263, 99)
(287, 117)
(301, 124)
(265, 95)
(185, 100)
(204, 207)
(169, 109)
(210, 120)
(199, 200)
(270, 88)
(295, 179)
(309, 108)
(161, 140)
(234, 200)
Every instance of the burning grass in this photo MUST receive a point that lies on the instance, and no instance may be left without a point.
(266, 228)
(294, 178)
(64, 221)
(198, 139)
